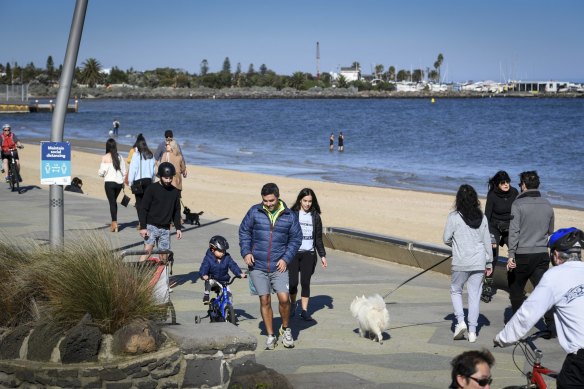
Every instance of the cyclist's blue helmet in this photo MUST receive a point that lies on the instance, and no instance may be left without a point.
(566, 239)
(220, 243)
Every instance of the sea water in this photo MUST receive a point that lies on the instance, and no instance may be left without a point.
(398, 143)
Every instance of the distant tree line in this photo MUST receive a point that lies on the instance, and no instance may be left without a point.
(91, 73)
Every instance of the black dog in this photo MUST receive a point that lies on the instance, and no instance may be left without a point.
(192, 217)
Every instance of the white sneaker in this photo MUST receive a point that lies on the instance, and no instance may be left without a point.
(287, 339)
(472, 337)
(459, 331)
(271, 342)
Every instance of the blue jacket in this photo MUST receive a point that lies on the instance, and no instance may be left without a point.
(266, 242)
(218, 270)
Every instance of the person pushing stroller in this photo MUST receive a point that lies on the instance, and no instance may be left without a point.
(216, 265)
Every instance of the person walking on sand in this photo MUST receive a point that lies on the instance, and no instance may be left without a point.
(332, 142)
(161, 149)
(269, 237)
(304, 262)
(173, 155)
(500, 197)
(112, 169)
(467, 232)
(141, 173)
(341, 141)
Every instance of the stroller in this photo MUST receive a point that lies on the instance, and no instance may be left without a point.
(160, 280)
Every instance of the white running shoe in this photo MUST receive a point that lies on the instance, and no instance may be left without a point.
(271, 342)
(472, 337)
(287, 339)
(460, 331)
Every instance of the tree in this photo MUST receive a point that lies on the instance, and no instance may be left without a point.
(250, 71)
(342, 81)
(356, 65)
(403, 75)
(391, 73)
(378, 70)
(50, 68)
(438, 64)
(433, 75)
(297, 80)
(226, 66)
(91, 72)
(417, 75)
(263, 69)
(204, 67)
(117, 76)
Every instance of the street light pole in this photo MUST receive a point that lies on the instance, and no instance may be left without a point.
(56, 205)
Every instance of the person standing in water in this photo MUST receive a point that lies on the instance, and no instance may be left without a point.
(341, 141)
(332, 142)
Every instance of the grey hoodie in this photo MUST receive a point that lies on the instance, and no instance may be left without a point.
(531, 225)
(471, 244)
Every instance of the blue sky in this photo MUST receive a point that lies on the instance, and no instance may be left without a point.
(480, 40)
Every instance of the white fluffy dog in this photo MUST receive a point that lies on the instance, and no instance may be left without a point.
(372, 315)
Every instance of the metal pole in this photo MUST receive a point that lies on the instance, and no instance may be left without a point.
(56, 205)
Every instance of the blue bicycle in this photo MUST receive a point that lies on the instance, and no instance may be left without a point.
(221, 306)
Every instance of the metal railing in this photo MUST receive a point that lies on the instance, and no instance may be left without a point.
(14, 93)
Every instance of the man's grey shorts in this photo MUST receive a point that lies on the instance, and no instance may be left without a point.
(265, 282)
(162, 235)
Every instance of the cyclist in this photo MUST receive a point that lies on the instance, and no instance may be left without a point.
(9, 142)
(562, 288)
(217, 263)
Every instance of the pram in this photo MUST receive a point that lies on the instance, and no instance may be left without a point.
(160, 280)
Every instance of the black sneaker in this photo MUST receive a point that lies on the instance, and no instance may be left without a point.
(306, 316)
(206, 299)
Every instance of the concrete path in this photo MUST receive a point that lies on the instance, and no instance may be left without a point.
(417, 348)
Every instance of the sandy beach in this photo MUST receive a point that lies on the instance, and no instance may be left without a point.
(220, 193)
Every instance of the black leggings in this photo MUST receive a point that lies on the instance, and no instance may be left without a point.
(305, 263)
(112, 190)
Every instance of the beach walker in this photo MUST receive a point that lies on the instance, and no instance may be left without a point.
(160, 281)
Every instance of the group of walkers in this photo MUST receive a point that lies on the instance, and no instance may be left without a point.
(524, 221)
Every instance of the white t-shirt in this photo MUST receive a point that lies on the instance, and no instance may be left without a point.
(305, 220)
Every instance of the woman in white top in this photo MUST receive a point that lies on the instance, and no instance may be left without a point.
(113, 170)
(304, 262)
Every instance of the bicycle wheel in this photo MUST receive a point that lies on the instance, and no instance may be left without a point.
(14, 184)
(230, 314)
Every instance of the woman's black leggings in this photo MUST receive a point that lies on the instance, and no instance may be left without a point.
(305, 263)
(112, 190)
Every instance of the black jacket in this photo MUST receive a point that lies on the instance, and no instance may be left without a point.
(160, 206)
(498, 207)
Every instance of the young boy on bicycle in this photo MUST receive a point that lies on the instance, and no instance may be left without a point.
(216, 265)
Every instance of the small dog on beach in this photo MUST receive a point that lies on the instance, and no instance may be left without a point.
(372, 315)
(192, 217)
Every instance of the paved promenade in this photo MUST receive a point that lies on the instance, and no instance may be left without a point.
(329, 353)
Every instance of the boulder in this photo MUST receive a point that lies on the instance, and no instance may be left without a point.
(43, 340)
(81, 343)
(137, 337)
(251, 375)
(11, 342)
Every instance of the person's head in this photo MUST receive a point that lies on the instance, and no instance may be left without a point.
(306, 201)
(270, 196)
(472, 369)
(139, 137)
(6, 129)
(76, 181)
(218, 246)
(168, 135)
(500, 180)
(172, 147)
(111, 146)
(143, 148)
(566, 245)
(528, 180)
(467, 202)
(166, 172)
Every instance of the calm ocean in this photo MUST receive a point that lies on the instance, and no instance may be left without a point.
(398, 143)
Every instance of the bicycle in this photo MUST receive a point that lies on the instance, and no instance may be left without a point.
(220, 307)
(13, 175)
(533, 355)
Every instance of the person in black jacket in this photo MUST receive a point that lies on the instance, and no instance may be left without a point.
(498, 212)
(304, 262)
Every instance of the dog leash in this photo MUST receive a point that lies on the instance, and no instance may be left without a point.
(417, 275)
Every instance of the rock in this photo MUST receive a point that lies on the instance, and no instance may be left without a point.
(81, 343)
(12, 342)
(137, 337)
(253, 375)
(43, 340)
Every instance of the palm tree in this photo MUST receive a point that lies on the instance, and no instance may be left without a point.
(91, 72)
(297, 80)
(342, 81)
(378, 70)
(438, 64)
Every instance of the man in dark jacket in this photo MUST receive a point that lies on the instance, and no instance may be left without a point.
(532, 222)
(269, 237)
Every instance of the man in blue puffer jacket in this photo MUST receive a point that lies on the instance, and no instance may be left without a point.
(269, 237)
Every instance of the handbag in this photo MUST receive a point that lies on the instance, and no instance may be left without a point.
(136, 186)
(125, 199)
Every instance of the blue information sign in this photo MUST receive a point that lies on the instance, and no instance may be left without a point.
(55, 163)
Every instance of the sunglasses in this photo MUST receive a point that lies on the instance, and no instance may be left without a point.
(6, 129)
(483, 381)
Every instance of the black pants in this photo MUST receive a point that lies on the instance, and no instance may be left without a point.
(112, 190)
(572, 374)
(305, 263)
(501, 238)
(529, 267)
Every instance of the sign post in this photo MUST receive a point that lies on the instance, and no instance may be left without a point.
(55, 163)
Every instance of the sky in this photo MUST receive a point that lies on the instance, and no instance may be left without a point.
(479, 39)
